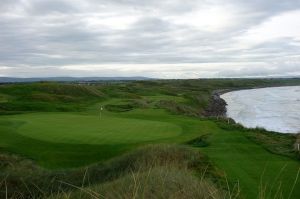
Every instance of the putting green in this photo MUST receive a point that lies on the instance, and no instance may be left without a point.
(90, 129)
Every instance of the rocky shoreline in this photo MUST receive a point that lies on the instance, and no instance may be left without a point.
(217, 105)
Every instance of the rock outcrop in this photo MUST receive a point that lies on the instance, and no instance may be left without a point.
(217, 106)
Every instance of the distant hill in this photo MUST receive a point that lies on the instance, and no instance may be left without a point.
(68, 79)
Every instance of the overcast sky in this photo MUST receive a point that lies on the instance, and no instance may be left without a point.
(153, 38)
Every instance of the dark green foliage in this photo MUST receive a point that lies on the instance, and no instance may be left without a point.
(177, 108)
(201, 141)
(128, 105)
(120, 107)
(47, 97)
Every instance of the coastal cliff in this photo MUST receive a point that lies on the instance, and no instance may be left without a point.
(217, 105)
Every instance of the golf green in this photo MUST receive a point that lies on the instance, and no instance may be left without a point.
(91, 129)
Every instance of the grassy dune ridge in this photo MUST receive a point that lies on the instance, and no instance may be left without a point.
(157, 162)
(58, 126)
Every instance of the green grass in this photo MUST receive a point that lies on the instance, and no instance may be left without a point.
(59, 140)
(252, 165)
(141, 113)
(63, 140)
(90, 129)
(3, 98)
(47, 97)
(154, 171)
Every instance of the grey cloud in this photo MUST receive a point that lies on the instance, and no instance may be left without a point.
(275, 70)
(271, 5)
(8, 5)
(56, 33)
(45, 7)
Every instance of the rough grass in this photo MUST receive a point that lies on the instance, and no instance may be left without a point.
(158, 182)
(47, 97)
(277, 143)
(169, 168)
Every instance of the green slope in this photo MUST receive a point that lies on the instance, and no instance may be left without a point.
(253, 167)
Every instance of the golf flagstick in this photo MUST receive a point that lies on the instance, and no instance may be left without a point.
(101, 109)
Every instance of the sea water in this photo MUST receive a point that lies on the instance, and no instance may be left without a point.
(274, 108)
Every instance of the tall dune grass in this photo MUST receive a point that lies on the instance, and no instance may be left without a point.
(155, 171)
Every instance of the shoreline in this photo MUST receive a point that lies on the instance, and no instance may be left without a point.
(217, 105)
(221, 92)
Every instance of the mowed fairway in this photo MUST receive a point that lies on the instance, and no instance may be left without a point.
(91, 129)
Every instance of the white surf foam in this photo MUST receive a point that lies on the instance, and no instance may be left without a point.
(275, 108)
